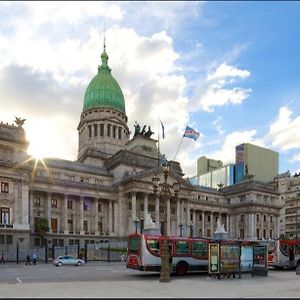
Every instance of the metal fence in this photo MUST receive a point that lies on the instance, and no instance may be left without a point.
(89, 252)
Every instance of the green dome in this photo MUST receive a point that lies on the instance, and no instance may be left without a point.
(103, 90)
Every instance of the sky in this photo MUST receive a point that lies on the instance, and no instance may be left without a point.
(230, 70)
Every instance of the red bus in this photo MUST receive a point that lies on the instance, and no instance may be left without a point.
(188, 253)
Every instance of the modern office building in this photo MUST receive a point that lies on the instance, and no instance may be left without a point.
(205, 165)
(253, 160)
(109, 189)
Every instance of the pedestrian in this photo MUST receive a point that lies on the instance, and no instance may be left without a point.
(34, 258)
(122, 258)
(2, 259)
(28, 260)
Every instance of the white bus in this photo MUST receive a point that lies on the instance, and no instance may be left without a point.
(283, 253)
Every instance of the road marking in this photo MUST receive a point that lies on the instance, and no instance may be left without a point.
(19, 280)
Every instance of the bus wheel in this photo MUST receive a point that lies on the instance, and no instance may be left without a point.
(182, 268)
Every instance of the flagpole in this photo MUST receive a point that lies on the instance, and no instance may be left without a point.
(158, 142)
(178, 147)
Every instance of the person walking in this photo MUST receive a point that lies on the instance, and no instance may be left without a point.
(2, 259)
(122, 258)
(34, 258)
(28, 260)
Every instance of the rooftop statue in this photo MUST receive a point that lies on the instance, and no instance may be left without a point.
(143, 132)
(20, 122)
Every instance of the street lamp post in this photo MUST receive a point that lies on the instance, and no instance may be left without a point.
(165, 193)
(136, 221)
(191, 229)
(180, 229)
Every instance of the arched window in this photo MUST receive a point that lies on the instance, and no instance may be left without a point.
(95, 130)
(90, 130)
(108, 129)
(101, 129)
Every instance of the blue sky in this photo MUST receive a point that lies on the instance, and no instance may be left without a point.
(228, 69)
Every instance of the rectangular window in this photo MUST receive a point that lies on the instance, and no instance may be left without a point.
(37, 201)
(4, 187)
(265, 218)
(70, 225)
(271, 234)
(60, 242)
(242, 233)
(271, 219)
(54, 225)
(242, 218)
(99, 207)
(200, 217)
(54, 203)
(70, 204)
(100, 227)
(85, 226)
(37, 242)
(129, 205)
(181, 247)
(85, 206)
(4, 217)
(257, 217)
(9, 240)
(199, 249)
(1, 239)
(257, 233)
(173, 211)
(71, 242)
(114, 132)
(208, 218)
(153, 246)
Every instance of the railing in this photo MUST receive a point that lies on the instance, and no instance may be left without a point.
(6, 226)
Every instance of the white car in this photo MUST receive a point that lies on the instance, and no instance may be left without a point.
(68, 260)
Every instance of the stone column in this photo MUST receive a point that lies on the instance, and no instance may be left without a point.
(227, 224)
(183, 217)
(110, 215)
(31, 216)
(168, 221)
(157, 221)
(178, 218)
(203, 224)
(133, 212)
(49, 211)
(65, 214)
(145, 207)
(81, 215)
(262, 225)
(96, 216)
(237, 232)
(268, 226)
(194, 222)
(116, 219)
(211, 223)
(254, 226)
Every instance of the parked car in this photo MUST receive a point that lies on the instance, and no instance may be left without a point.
(68, 260)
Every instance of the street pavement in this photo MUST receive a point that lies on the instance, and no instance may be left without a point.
(113, 280)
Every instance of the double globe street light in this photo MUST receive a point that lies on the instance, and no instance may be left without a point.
(164, 195)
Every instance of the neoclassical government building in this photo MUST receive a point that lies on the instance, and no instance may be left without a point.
(108, 191)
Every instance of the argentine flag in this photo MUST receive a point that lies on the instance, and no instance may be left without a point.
(191, 133)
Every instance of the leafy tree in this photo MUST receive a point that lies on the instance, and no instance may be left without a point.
(41, 227)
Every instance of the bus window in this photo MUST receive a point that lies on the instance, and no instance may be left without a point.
(153, 246)
(181, 247)
(134, 244)
(199, 248)
(284, 248)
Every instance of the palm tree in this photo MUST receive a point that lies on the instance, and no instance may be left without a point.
(41, 227)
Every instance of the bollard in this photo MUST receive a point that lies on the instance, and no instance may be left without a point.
(85, 252)
(298, 267)
(46, 254)
(17, 253)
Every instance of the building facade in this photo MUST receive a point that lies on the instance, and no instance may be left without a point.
(109, 189)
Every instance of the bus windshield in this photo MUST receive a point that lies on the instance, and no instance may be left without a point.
(134, 244)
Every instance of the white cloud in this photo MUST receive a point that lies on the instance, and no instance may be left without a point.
(212, 91)
(285, 131)
(224, 71)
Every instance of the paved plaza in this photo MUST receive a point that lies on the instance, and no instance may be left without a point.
(114, 280)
